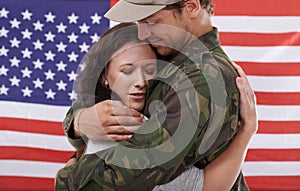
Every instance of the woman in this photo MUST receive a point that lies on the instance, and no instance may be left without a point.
(124, 69)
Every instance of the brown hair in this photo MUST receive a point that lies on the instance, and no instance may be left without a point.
(205, 4)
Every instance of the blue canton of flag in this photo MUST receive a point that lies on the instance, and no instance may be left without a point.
(42, 43)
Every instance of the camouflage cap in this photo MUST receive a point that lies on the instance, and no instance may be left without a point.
(135, 10)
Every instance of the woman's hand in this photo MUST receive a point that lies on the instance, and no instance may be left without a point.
(248, 109)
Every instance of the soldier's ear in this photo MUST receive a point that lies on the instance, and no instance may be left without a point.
(193, 8)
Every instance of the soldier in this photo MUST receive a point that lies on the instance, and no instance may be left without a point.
(195, 101)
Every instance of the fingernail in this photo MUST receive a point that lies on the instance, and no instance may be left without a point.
(129, 136)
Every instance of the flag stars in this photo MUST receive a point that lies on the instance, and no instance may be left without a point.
(15, 23)
(3, 32)
(73, 18)
(49, 75)
(95, 38)
(72, 95)
(49, 55)
(3, 13)
(38, 64)
(72, 76)
(26, 92)
(3, 71)
(26, 34)
(84, 28)
(38, 83)
(26, 73)
(15, 42)
(38, 26)
(26, 15)
(50, 36)
(84, 47)
(50, 17)
(61, 47)
(72, 37)
(61, 85)
(50, 94)
(26, 53)
(73, 57)
(14, 62)
(14, 81)
(61, 28)
(61, 66)
(96, 18)
(3, 51)
(38, 45)
(4, 90)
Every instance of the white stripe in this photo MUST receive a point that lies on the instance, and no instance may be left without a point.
(29, 168)
(32, 111)
(263, 53)
(257, 24)
(271, 168)
(275, 83)
(278, 113)
(49, 170)
(275, 141)
(34, 140)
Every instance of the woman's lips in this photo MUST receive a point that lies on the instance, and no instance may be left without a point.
(137, 96)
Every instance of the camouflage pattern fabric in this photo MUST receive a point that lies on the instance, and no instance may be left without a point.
(194, 115)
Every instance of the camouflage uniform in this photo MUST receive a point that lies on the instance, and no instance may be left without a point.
(195, 119)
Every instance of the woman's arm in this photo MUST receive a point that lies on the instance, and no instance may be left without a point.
(221, 173)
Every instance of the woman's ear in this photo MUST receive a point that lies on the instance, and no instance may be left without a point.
(193, 8)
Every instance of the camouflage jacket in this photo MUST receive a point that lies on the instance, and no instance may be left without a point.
(193, 104)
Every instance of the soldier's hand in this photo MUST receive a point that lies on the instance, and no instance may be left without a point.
(107, 120)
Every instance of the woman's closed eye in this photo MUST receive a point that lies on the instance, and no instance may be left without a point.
(127, 71)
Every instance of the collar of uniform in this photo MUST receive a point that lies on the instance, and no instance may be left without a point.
(185, 60)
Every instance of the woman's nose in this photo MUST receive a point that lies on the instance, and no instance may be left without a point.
(140, 80)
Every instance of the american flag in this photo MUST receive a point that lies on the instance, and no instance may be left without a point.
(43, 41)
(264, 38)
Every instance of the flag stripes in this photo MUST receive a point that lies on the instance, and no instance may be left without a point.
(264, 37)
(257, 7)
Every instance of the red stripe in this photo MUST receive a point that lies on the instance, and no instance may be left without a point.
(273, 155)
(271, 183)
(278, 98)
(257, 7)
(32, 126)
(279, 127)
(254, 7)
(259, 39)
(34, 154)
(112, 2)
(271, 69)
(12, 183)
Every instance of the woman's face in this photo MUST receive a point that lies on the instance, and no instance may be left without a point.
(128, 72)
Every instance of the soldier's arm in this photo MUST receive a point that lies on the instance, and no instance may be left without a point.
(84, 121)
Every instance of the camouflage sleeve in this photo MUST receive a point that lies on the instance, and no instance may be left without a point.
(194, 121)
(68, 125)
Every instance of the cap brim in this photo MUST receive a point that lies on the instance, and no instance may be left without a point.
(123, 11)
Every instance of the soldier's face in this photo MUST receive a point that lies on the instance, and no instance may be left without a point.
(166, 30)
(129, 71)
